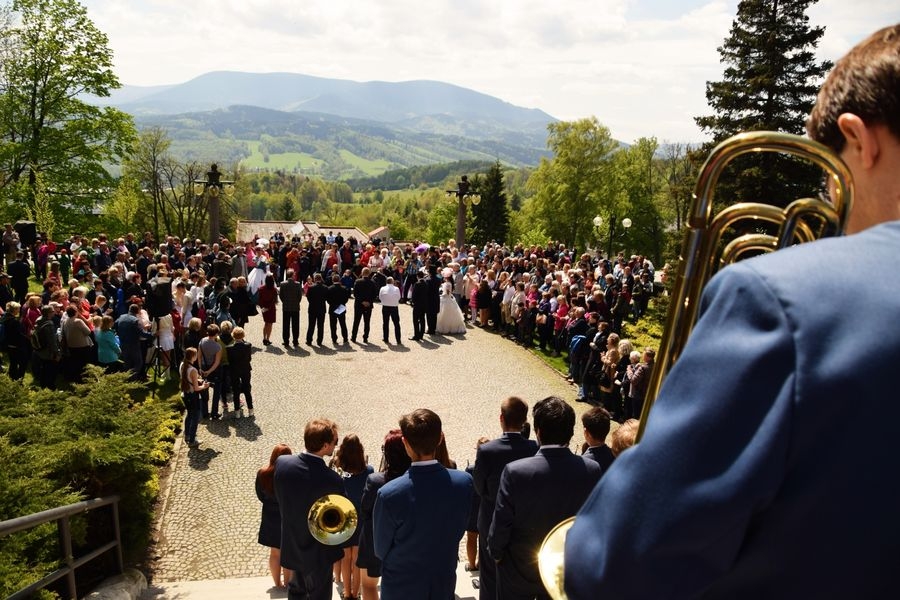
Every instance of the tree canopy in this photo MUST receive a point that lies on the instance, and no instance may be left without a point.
(51, 57)
(574, 185)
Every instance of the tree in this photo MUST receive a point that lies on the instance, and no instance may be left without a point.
(124, 208)
(639, 187)
(41, 211)
(491, 215)
(287, 211)
(573, 186)
(53, 56)
(770, 82)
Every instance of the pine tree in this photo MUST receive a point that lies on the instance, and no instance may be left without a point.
(770, 82)
(492, 214)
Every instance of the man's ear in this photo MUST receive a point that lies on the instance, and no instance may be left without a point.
(861, 141)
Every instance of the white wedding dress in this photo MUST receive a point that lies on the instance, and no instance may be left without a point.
(450, 318)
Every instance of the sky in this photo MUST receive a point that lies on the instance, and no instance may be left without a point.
(639, 66)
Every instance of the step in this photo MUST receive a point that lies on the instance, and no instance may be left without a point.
(251, 588)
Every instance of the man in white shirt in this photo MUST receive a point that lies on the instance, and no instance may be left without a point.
(390, 300)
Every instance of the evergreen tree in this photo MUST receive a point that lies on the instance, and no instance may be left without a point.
(491, 215)
(770, 82)
(287, 210)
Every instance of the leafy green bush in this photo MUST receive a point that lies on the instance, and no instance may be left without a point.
(58, 447)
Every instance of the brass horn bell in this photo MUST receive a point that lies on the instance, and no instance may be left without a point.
(332, 519)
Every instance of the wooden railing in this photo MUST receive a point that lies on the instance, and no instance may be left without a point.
(61, 516)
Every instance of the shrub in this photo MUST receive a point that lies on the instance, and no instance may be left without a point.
(59, 447)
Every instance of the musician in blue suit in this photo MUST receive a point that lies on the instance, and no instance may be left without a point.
(420, 517)
(490, 460)
(535, 494)
(753, 479)
(300, 480)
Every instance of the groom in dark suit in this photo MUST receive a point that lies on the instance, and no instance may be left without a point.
(490, 461)
(535, 495)
(419, 299)
(300, 480)
(433, 299)
(421, 516)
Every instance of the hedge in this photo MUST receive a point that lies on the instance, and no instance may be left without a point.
(99, 438)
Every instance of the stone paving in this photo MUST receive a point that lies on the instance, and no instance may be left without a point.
(211, 515)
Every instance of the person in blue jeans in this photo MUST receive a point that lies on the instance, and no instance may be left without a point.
(210, 368)
(191, 386)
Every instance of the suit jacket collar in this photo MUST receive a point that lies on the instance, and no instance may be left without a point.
(553, 450)
(429, 468)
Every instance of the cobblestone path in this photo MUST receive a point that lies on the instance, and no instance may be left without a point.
(210, 513)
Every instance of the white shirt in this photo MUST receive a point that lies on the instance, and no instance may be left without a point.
(389, 295)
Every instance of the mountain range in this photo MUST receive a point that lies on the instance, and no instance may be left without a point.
(334, 128)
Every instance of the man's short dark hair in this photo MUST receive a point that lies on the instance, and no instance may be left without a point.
(319, 432)
(596, 421)
(554, 420)
(866, 83)
(422, 430)
(514, 412)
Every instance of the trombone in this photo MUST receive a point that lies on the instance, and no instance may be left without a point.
(705, 251)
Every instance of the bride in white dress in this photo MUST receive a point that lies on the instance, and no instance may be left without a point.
(450, 318)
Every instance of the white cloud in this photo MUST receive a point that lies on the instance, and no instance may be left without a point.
(640, 66)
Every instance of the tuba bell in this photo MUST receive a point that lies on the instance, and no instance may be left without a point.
(715, 241)
(332, 519)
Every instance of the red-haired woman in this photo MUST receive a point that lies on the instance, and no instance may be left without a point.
(350, 459)
(270, 523)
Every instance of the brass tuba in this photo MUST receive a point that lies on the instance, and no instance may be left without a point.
(713, 242)
(332, 519)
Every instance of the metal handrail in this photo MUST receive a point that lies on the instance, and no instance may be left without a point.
(61, 515)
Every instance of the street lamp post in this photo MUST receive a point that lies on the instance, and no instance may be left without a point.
(598, 222)
(213, 186)
(463, 198)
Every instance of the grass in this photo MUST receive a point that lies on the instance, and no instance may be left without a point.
(369, 167)
(287, 161)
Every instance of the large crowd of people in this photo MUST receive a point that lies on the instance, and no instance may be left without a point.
(135, 304)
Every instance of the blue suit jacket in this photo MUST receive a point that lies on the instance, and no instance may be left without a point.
(420, 518)
(490, 461)
(750, 481)
(300, 480)
(535, 494)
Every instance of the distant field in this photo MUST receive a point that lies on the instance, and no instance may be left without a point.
(287, 161)
(369, 167)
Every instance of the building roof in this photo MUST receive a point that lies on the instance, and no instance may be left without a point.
(248, 230)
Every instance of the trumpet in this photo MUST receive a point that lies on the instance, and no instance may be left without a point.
(332, 519)
(713, 242)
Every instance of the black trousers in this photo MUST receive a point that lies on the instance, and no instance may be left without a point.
(364, 314)
(418, 323)
(290, 324)
(316, 323)
(333, 321)
(390, 313)
(431, 318)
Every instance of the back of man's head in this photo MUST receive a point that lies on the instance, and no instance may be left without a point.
(554, 421)
(422, 431)
(514, 411)
(318, 433)
(866, 83)
(596, 422)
